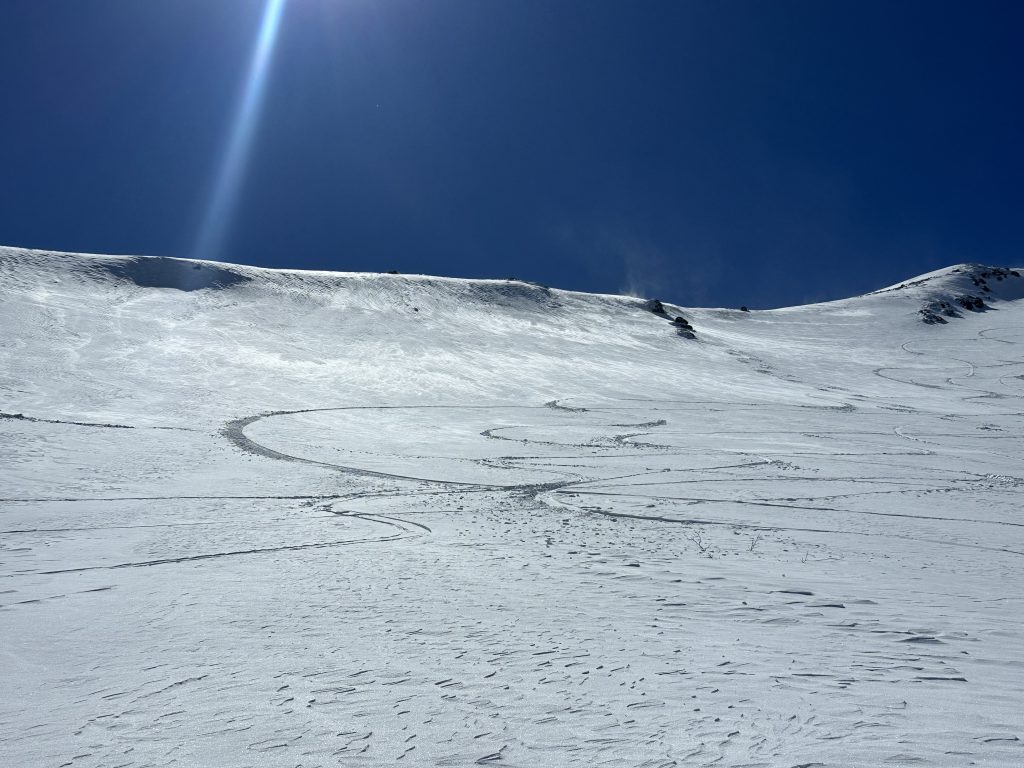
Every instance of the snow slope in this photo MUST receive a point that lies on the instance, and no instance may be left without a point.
(280, 518)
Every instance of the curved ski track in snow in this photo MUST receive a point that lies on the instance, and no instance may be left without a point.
(234, 431)
(745, 549)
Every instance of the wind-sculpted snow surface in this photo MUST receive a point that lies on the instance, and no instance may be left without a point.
(283, 518)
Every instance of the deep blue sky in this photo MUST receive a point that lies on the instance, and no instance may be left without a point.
(720, 152)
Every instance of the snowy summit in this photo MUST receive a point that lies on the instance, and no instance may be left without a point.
(282, 518)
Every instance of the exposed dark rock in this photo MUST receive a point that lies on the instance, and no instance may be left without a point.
(973, 303)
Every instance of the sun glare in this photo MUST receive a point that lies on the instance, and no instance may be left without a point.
(231, 171)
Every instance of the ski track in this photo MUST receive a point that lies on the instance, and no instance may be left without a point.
(828, 576)
(942, 670)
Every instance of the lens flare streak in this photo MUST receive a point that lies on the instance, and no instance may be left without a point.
(232, 169)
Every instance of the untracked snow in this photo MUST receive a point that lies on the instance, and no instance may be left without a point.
(280, 518)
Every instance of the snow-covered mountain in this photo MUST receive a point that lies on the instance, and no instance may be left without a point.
(260, 517)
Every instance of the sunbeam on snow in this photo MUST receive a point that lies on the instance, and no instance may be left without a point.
(232, 168)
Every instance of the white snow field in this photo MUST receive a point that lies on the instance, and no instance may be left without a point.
(280, 518)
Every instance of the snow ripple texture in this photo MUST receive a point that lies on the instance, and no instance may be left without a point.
(255, 517)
